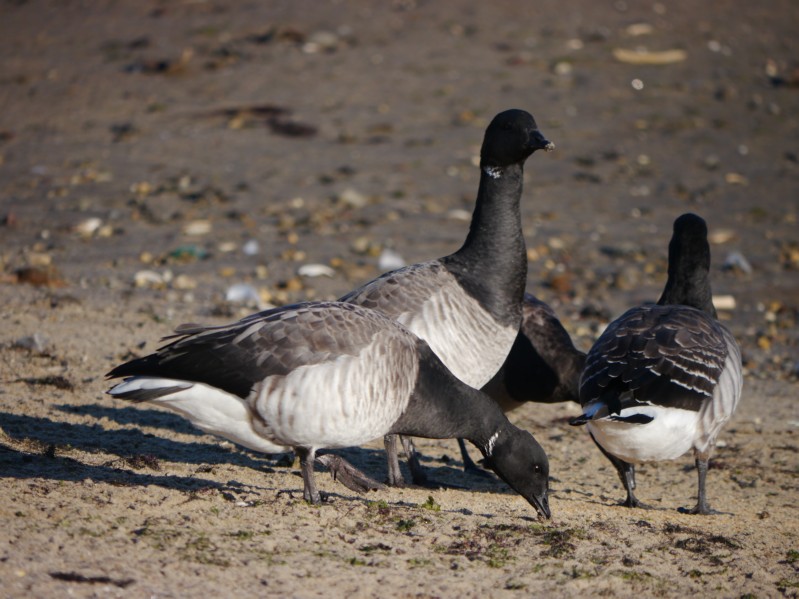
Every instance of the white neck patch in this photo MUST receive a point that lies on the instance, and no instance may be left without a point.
(495, 172)
(490, 444)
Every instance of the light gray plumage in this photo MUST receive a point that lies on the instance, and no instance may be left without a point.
(663, 379)
(467, 305)
(326, 375)
(543, 366)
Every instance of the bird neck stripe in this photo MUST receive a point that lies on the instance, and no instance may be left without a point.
(495, 172)
(490, 444)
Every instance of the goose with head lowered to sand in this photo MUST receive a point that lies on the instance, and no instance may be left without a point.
(327, 375)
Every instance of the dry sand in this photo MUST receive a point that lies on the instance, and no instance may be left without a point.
(163, 136)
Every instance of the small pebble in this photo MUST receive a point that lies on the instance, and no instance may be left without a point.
(353, 198)
(196, 228)
(251, 248)
(737, 261)
(87, 227)
(315, 270)
(150, 279)
(724, 302)
(721, 236)
(184, 282)
(390, 260)
(242, 293)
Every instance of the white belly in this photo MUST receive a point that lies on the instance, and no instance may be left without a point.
(667, 437)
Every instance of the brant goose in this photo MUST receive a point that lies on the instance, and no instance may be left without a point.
(326, 375)
(664, 378)
(468, 305)
(543, 366)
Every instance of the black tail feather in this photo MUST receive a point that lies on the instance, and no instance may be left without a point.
(148, 394)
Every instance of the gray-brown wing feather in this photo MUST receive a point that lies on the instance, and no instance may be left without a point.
(401, 291)
(664, 355)
(275, 342)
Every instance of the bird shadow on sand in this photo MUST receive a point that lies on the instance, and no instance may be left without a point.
(37, 447)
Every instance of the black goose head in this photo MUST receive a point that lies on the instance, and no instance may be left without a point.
(511, 138)
(689, 265)
(521, 462)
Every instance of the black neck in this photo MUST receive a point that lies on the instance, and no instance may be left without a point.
(492, 263)
(688, 284)
(443, 407)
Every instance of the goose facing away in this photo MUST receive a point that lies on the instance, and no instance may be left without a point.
(467, 306)
(543, 365)
(326, 375)
(663, 379)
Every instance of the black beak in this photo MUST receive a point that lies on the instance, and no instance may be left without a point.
(537, 141)
(541, 504)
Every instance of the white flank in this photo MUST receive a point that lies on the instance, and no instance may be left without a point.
(347, 401)
(716, 412)
(208, 408)
(667, 437)
(462, 334)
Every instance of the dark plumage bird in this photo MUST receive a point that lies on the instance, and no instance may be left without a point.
(327, 375)
(543, 365)
(468, 305)
(664, 378)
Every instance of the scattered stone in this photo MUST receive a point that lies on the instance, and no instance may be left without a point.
(724, 302)
(226, 247)
(641, 56)
(243, 293)
(315, 270)
(638, 29)
(184, 282)
(390, 260)
(251, 247)
(88, 227)
(353, 198)
(150, 279)
(736, 261)
(459, 214)
(321, 41)
(197, 228)
(736, 179)
(721, 236)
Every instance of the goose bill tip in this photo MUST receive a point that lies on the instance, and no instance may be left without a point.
(542, 507)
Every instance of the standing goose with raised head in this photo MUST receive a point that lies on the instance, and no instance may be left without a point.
(664, 378)
(327, 375)
(467, 306)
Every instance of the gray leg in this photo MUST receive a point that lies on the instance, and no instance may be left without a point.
(395, 478)
(309, 492)
(626, 475)
(418, 475)
(702, 506)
